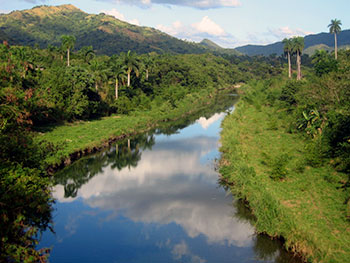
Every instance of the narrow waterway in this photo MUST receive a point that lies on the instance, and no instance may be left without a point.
(155, 198)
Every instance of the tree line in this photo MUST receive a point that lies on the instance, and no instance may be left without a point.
(295, 46)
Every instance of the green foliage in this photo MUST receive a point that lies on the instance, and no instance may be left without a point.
(25, 209)
(294, 191)
(278, 169)
(323, 63)
(288, 93)
(71, 92)
(337, 136)
(334, 26)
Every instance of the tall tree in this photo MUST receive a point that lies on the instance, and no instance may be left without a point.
(100, 72)
(131, 63)
(119, 72)
(68, 43)
(334, 28)
(298, 47)
(287, 50)
(87, 53)
(148, 62)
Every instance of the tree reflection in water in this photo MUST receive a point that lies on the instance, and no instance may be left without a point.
(120, 156)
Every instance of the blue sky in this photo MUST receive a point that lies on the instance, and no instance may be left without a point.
(230, 23)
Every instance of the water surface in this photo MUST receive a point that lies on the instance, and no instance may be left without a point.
(155, 198)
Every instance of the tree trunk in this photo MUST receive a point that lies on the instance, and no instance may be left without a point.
(128, 78)
(68, 57)
(116, 88)
(289, 66)
(335, 46)
(299, 66)
(129, 144)
(96, 86)
(146, 74)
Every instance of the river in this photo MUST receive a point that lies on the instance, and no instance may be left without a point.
(155, 198)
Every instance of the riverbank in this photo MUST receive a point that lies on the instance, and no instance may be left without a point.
(265, 166)
(74, 140)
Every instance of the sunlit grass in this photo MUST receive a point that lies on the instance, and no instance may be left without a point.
(303, 204)
(82, 135)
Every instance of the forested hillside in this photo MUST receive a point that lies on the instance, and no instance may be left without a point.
(43, 26)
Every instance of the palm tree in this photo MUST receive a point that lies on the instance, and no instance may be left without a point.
(131, 62)
(119, 72)
(298, 47)
(287, 50)
(68, 43)
(148, 62)
(334, 28)
(100, 72)
(87, 53)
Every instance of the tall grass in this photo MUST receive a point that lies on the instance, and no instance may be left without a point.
(269, 168)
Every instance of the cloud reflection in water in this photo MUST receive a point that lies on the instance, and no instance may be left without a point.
(170, 185)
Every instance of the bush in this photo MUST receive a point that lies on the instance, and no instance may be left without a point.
(337, 136)
(289, 91)
(25, 208)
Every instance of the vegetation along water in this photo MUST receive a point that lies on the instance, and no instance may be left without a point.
(131, 139)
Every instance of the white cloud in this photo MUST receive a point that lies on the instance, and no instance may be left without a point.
(286, 32)
(206, 25)
(176, 29)
(199, 4)
(114, 12)
(205, 28)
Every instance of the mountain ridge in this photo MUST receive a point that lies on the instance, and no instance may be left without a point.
(44, 25)
(312, 40)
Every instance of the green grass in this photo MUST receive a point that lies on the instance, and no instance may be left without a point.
(266, 166)
(84, 135)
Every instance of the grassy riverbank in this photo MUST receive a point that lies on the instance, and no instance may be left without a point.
(76, 139)
(268, 166)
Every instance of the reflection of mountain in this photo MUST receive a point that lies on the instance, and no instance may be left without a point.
(170, 185)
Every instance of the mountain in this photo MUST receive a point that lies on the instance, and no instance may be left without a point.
(312, 43)
(44, 25)
(210, 45)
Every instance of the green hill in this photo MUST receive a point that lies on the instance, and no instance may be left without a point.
(312, 49)
(44, 25)
(312, 43)
(210, 45)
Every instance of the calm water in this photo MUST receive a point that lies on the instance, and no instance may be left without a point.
(155, 201)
